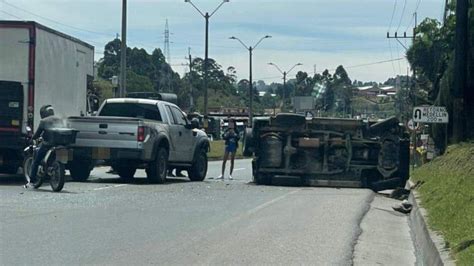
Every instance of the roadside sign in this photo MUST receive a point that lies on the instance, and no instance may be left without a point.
(430, 114)
(412, 125)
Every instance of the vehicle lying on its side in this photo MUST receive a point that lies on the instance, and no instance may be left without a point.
(329, 151)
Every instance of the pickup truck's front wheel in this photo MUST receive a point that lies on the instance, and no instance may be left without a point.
(198, 170)
(157, 170)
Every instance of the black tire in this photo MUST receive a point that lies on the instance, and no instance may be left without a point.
(27, 163)
(57, 178)
(262, 179)
(289, 120)
(126, 173)
(198, 170)
(157, 170)
(248, 148)
(79, 170)
(404, 163)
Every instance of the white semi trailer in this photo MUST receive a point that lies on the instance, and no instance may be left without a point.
(38, 66)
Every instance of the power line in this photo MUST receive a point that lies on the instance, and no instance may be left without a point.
(55, 21)
(374, 63)
(403, 14)
(347, 67)
(391, 56)
(10, 14)
(393, 14)
(413, 17)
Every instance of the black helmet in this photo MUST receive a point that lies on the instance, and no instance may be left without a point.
(46, 110)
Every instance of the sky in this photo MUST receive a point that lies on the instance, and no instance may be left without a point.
(320, 34)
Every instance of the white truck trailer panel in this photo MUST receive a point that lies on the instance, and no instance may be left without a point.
(52, 67)
(61, 69)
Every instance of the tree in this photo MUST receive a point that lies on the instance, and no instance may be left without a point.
(342, 85)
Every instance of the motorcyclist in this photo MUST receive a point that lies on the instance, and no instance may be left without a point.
(48, 120)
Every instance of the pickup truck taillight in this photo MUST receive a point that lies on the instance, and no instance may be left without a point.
(141, 134)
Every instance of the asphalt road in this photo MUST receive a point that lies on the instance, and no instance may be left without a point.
(104, 221)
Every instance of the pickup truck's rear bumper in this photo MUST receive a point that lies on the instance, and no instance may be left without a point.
(110, 154)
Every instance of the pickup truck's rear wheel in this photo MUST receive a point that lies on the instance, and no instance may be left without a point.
(198, 170)
(157, 170)
(80, 170)
(126, 172)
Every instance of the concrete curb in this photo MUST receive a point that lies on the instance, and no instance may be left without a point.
(428, 244)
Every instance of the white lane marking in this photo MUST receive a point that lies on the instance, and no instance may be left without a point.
(101, 188)
(239, 169)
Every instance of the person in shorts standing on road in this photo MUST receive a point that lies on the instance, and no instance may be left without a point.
(231, 137)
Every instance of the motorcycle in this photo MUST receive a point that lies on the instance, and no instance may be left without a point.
(53, 164)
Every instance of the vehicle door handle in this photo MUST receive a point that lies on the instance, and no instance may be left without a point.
(180, 133)
(103, 132)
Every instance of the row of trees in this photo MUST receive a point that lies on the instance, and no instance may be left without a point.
(432, 55)
(150, 72)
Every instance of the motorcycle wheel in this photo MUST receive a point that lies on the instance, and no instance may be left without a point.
(57, 176)
(27, 163)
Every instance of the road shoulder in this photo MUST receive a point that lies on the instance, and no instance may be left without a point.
(385, 237)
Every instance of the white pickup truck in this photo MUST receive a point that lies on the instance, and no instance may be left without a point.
(129, 134)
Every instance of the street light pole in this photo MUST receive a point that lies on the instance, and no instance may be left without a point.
(250, 49)
(123, 52)
(206, 16)
(206, 58)
(250, 87)
(284, 73)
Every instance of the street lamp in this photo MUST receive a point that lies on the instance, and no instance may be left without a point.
(206, 55)
(284, 73)
(250, 49)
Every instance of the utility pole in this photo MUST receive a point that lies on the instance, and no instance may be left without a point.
(414, 78)
(250, 49)
(405, 36)
(460, 71)
(285, 73)
(167, 43)
(167, 54)
(123, 52)
(206, 16)
(446, 8)
(191, 97)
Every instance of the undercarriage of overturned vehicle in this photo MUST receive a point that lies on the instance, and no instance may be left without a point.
(329, 151)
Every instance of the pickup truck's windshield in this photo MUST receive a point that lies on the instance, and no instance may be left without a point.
(135, 110)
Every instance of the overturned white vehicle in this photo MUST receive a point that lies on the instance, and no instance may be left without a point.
(329, 151)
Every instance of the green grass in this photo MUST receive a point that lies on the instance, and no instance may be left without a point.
(217, 150)
(447, 193)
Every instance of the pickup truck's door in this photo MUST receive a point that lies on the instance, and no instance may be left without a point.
(182, 138)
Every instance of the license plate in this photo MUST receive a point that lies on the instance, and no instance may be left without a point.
(13, 104)
(101, 153)
(62, 155)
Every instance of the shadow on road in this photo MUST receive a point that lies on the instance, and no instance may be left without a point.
(137, 181)
(11, 180)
